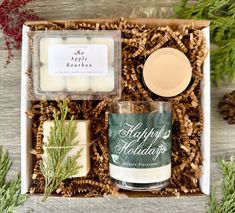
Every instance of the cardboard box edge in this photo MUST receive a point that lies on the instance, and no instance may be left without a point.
(204, 181)
(148, 21)
(25, 148)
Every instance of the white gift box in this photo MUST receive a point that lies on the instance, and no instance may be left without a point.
(26, 123)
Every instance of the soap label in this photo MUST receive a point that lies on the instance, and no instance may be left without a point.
(78, 60)
(140, 140)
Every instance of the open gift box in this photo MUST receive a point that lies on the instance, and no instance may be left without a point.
(26, 123)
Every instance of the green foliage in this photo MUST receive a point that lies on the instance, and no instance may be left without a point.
(213, 205)
(10, 194)
(223, 61)
(222, 16)
(227, 205)
(56, 165)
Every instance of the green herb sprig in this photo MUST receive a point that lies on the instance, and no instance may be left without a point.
(10, 192)
(227, 205)
(56, 165)
(221, 13)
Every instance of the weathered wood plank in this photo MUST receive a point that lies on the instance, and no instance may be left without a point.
(99, 8)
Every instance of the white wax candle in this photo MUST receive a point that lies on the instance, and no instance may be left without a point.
(44, 45)
(50, 82)
(81, 83)
(83, 139)
(76, 40)
(74, 83)
(103, 83)
(109, 42)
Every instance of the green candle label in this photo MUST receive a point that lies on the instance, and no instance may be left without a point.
(140, 140)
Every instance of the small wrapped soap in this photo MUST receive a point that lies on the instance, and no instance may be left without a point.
(83, 138)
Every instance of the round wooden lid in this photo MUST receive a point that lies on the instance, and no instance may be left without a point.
(167, 72)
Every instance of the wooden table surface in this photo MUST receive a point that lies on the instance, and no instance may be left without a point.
(222, 138)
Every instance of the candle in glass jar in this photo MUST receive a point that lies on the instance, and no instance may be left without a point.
(140, 145)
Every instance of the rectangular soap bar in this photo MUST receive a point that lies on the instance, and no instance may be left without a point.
(83, 138)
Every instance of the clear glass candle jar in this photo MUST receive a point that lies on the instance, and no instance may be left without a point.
(140, 144)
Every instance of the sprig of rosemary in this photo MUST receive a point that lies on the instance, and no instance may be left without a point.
(222, 16)
(227, 205)
(10, 194)
(56, 165)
